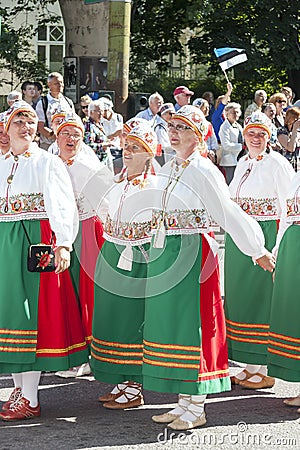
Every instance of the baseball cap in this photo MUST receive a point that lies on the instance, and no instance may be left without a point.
(182, 90)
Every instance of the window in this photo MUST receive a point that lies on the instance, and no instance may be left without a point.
(51, 46)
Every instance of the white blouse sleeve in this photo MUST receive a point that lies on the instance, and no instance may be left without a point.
(214, 193)
(96, 191)
(60, 202)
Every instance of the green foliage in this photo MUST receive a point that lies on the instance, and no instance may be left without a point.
(16, 54)
(268, 30)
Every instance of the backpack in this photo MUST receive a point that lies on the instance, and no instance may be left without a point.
(44, 100)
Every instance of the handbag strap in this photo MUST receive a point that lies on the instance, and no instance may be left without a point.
(25, 231)
(24, 228)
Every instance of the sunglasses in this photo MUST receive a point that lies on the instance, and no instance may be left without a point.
(84, 107)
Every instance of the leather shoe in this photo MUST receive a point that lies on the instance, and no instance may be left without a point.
(108, 397)
(165, 418)
(14, 396)
(294, 401)
(265, 382)
(235, 380)
(138, 400)
(21, 410)
(183, 425)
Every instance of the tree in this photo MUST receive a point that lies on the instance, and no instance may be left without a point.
(269, 31)
(156, 32)
(16, 54)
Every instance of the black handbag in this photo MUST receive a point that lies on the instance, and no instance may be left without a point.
(41, 257)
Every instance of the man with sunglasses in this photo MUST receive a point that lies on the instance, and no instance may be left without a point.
(182, 95)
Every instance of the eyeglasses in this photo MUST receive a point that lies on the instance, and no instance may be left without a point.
(178, 127)
(84, 106)
(68, 135)
(280, 101)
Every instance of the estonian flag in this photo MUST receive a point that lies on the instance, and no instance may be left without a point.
(229, 57)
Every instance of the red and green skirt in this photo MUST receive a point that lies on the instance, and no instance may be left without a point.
(248, 295)
(84, 257)
(40, 324)
(284, 336)
(185, 347)
(117, 343)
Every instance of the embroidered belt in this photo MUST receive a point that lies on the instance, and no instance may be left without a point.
(260, 207)
(22, 206)
(293, 208)
(135, 232)
(192, 220)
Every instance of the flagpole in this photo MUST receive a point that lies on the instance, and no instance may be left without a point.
(227, 79)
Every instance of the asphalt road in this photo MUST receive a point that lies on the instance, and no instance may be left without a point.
(72, 418)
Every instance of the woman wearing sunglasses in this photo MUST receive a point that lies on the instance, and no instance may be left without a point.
(184, 332)
(280, 102)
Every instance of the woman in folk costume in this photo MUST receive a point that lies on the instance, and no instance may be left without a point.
(259, 187)
(284, 336)
(90, 181)
(184, 333)
(4, 138)
(40, 325)
(117, 345)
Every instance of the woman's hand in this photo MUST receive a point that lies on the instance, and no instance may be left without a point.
(267, 262)
(62, 259)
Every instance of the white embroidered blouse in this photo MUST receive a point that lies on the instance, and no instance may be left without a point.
(35, 185)
(193, 193)
(128, 221)
(260, 184)
(91, 181)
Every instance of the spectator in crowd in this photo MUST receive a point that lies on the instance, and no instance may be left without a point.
(182, 95)
(279, 100)
(155, 101)
(85, 100)
(288, 92)
(260, 97)
(28, 92)
(218, 114)
(94, 134)
(270, 111)
(289, 135)
(209, 97)
(231, 137)
(4, 138)
(46, 104)
(210, 138)
(164, 149)
(13, 96)
(112, 123)
(38, 92)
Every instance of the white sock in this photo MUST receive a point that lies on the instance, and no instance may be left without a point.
(256, 378)
(119, 387)
(17, 377)
(183, 402)
(251, 368)
(30, 387)
(194, 409)
(132, 390)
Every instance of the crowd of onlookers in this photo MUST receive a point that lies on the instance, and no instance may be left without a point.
(103, 126)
